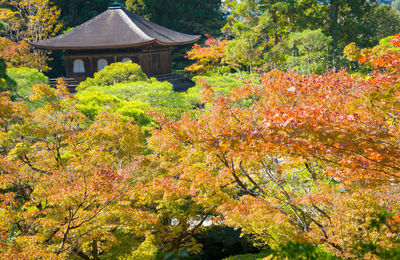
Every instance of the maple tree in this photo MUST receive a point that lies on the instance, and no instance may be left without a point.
(75, 187)
(209, 57)
(284, 160)
(383, 57)
(20, 55)
(291, 160)
(62, 185)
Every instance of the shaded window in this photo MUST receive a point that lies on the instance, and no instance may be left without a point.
(101, 64)
(79, 66)
(126, 59)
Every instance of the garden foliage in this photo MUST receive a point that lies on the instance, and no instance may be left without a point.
(119, 72)
(300, 162)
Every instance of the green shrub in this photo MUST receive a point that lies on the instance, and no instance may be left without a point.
(294, 250)
(119, 72)
(25, 78)
(135, 110)
(387, 43)
(91, 103)
(291, 250)
(133, 100)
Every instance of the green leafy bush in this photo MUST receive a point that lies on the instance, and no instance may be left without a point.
(135, 110)
(124, 88)
(25, 78)
(115, 73)
(302, 251)
(387, 43)
(291, 250)
(90, 103)
(133, 100)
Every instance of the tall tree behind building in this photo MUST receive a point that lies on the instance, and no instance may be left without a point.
(360, 21)
(76, 12)
(187, 16)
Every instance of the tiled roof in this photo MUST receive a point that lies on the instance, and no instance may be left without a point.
(115, 28)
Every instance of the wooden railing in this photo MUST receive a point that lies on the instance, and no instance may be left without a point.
(180, 80)
(172, 76)
(70, 82)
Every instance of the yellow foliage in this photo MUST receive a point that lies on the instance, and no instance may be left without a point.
(146, 250)
(31, 20)
(24, 21)
(352, 52)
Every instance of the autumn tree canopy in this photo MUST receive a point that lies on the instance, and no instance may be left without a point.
(298, 158)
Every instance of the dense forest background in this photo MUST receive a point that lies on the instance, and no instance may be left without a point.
(262, 31)
(362, 22)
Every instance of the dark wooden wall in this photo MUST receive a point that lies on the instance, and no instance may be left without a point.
(154, 61)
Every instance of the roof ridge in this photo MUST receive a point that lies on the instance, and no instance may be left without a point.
(143, 21)
(131, 24)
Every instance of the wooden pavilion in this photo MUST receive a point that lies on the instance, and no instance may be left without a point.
(117, 35)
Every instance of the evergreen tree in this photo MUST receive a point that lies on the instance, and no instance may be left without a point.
(188, 16)
(76, 12)
(259, 23)
(396, 4)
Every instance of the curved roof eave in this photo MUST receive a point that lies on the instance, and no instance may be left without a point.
(47, 47)
(43, 47)
(181, 43)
